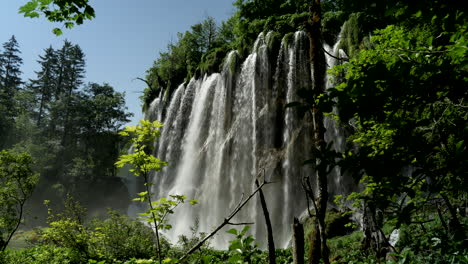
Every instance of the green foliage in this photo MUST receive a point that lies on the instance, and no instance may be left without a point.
(243, 248)
(142, 138)
(202, 49)
(17, 182)
(212, 61)
(10, 82)
(44, 254)
(120, 237)
(406, 100)
(117, 237)
(161, 208)
(199, 50)
(69, 128)
(353, 35)
(142, 163)
(433, 244)
(347, 249)
(285, 23)
(68, 12)
(403, 98)
(67, 229)
(331, 26)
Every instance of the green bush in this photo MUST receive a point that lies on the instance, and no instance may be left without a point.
(243, 248)
(43, 254)
(120, 237)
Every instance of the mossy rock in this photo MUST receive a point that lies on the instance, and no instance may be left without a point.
(338, 224)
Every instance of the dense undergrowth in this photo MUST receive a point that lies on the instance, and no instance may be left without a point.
(118, 239)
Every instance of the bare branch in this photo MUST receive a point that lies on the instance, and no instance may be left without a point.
(237, 224)
(225, 222)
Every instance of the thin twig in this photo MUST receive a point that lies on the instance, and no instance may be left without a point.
(237, 224)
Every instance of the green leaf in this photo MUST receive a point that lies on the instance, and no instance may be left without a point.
(69, 25)
(28, 8)
(459, 147)
(232, 231)
(57, 31)
(244, 230)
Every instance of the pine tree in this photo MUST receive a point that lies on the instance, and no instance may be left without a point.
(11, 63)
(69, 75)
(74, 73)
(43, 86)
(10, 82)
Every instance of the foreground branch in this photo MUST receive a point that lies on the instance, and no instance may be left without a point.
(225, 222)
(266, 214)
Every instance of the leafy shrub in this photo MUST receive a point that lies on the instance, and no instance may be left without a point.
(43, 254)
(243, 249)
(120, 237)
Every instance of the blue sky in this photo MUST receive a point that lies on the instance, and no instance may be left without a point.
(120, 44)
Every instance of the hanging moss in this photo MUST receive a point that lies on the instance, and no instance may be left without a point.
(331, 26)
(149, 94)
(297, 21)
(235, 63)
(354, 33)
(287, 39)
(286, 23)
(274, 42)
(211, 62)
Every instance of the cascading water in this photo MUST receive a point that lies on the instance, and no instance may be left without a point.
(224, 130)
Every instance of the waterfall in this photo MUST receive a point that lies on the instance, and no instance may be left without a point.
(223, 131)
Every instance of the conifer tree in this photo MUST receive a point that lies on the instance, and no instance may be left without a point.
(11, 63)
(43, 86)
(10, 82)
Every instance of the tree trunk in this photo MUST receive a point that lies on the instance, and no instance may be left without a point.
(374, 238)
(298, 242)
(317, 56)
(454, 225)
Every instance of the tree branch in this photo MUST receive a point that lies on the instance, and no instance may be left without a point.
(225, 222)
(236, 224)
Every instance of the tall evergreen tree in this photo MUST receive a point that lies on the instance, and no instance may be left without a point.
(43, 86)
(69, 75)
(10, 82)
(74, 74)
(11, 63)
